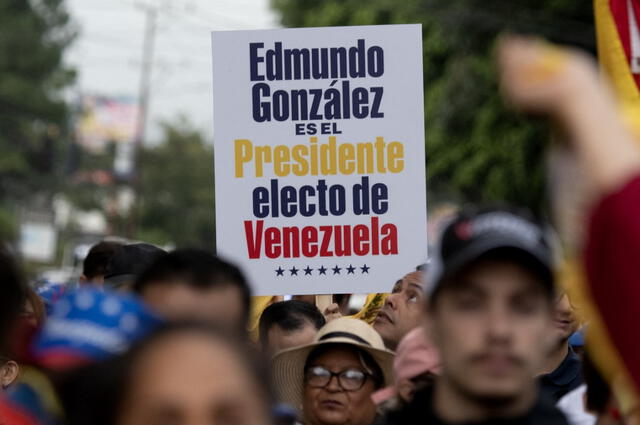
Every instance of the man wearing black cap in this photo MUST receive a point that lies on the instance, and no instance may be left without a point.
(490, 312)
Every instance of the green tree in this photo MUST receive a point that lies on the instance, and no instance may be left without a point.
(176, 203)
(33, 114)
(477, 150)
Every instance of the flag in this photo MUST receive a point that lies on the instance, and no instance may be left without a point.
(618, 39)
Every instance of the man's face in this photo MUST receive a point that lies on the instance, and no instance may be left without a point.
(279, 339)
(565, 320)
(491, 325)
(402, 310)
(178, 301)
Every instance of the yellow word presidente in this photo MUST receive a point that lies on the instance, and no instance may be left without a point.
(315, 158)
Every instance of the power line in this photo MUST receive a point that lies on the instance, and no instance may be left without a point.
(197, 13)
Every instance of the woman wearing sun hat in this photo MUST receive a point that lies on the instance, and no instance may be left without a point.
(330, 381)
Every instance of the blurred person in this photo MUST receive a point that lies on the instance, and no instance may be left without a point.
(183, 374)
(562, 366)
(89, 325)
(414, 368)
(31, 318)
(94, 266)
(86, 326)
(490, 310)
(128, 262)
(568, 89)
(193, 284)
(288, 324)
(331, 380)
(402, 310)
(256, 307)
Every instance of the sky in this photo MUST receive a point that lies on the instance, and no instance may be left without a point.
(107, 54)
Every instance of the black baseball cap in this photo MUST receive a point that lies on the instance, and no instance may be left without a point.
(473, 234)
(129, 261)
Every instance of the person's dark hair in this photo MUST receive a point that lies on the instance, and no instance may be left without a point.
(501, 254)
(12, 296)
(196, 268)
(368, 362)
(96, 261)
(95, 393)
(289, 316)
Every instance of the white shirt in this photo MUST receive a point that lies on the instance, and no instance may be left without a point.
(573, 407)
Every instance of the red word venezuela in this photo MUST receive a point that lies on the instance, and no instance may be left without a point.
(324, 241)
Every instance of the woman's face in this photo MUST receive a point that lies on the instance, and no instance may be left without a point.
(187, 379)
(332, 404)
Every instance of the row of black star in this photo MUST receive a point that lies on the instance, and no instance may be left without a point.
(308, 271)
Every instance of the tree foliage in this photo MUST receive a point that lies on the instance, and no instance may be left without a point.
(33, 114)
(477, 150)
(176, 202)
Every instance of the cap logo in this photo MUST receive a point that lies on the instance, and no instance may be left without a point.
(507, 224)
(464, 230)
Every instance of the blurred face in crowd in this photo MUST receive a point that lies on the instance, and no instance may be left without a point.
(491, 325)
(281, 339)
(188, 379)
(332, 404)
(221, 305)
(402, 310)
(565, 320)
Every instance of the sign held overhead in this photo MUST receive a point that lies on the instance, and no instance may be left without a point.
(319, 156)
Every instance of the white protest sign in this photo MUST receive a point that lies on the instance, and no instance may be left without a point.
(319, 157)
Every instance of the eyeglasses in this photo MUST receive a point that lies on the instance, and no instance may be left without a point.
(348, 379)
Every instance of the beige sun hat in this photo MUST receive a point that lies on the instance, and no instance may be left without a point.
(288, 365)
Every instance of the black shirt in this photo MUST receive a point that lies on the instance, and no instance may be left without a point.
(566, 377)
(420, 411)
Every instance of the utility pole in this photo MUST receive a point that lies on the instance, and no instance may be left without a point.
(144, 94)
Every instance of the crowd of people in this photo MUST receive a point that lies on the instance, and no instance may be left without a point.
(482, 333)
